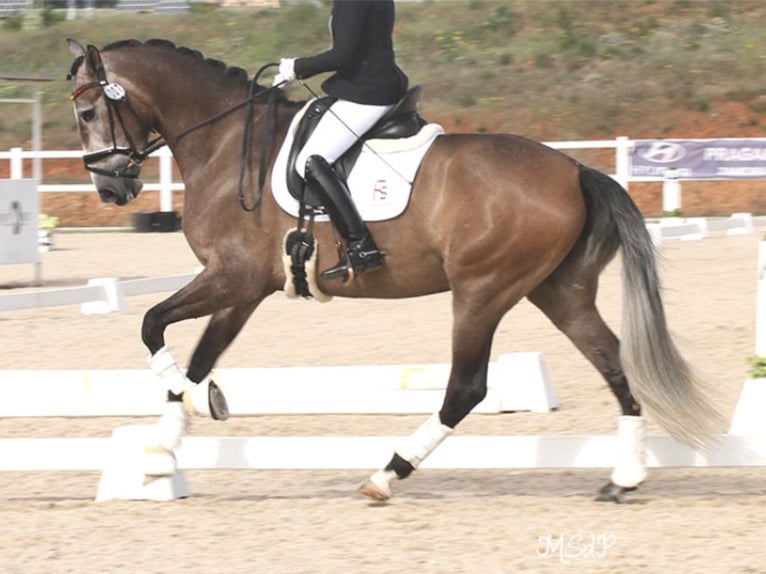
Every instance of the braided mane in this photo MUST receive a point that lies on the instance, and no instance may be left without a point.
(234, 72)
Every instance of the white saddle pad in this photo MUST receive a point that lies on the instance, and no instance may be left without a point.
(380, 181)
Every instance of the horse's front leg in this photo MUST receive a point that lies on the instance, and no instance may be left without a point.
(194, 392)
(202, 396)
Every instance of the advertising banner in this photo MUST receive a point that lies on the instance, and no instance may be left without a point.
(19, 206)
(730, 158)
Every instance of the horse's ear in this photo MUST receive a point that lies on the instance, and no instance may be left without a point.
(93, 57)
(75, 48)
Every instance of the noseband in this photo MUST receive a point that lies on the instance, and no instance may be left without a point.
(115, 94)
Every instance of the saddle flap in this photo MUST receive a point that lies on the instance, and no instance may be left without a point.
(401, 121)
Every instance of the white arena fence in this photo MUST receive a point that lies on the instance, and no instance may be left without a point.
(517, 381)
(108, 294)
(310, 390)
(622, 145)
(100, 295)
(370, 452)
(166, 186)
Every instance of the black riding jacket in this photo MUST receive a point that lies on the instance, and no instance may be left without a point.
(362, 54)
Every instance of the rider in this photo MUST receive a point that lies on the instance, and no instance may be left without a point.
(367, 83)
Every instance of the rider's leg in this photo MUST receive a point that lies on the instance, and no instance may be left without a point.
(337, 131)
(363, 255)
(340, 128)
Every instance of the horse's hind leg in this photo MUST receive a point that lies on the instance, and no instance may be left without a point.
(223, 327)
(473, 330)
(570, 305)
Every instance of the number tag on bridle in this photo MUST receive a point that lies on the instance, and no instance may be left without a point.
(114, 92)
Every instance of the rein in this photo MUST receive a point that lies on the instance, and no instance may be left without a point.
(115, 93)
(265, 142)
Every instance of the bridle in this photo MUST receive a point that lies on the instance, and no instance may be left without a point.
(115, 94)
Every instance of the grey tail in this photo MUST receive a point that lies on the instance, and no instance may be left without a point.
(663, 382)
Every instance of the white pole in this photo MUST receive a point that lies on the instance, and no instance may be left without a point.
(166, 180)
(17, 163)
(671, 192)
(622, 161)
(760, 304)
(37, 138)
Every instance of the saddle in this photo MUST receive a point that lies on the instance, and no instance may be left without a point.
(401, 121)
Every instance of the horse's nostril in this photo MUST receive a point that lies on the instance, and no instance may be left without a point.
(107, 195)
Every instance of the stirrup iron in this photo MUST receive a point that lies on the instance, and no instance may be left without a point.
(360, 257)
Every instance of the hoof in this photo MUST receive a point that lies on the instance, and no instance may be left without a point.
(375, 492)
(611, 492)
(206, 399)
(219, 408)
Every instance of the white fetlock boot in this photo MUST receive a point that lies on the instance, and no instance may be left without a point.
(630, 470)
(204, 399)
(415, 450)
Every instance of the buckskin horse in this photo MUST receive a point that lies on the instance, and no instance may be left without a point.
(492, 218)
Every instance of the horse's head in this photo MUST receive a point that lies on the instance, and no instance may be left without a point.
(110, 125)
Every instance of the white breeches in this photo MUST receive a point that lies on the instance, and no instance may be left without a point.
(340, 128)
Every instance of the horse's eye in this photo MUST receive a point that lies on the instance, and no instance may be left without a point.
(88, 115)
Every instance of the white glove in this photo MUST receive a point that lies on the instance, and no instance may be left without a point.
(286, 72)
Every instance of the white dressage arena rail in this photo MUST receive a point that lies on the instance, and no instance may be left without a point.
(119, 458)
(108, 294)
(367, 452)
(100, 295)
(516, 381)
(166, 185)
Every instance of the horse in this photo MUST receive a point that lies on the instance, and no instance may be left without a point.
(492, 217)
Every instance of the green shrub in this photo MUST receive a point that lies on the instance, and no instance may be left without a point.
(757, 367)
(544, 61)
(50, 16)
(504, 20)
(202, 7)
(505, 59)
(14, 21)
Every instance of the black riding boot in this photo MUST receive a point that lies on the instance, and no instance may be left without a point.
(362, 254)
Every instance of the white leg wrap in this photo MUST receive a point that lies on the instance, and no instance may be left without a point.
(630, 470)
(165, 367)
(196, 398)
(172, 425)
(423, 441)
